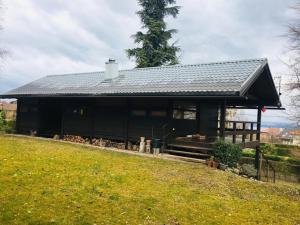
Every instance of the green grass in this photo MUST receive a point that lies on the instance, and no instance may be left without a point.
(43, 182)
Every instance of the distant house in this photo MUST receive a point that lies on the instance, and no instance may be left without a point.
(167, 103)
(291, 137)
(10, 110)
(271, 135)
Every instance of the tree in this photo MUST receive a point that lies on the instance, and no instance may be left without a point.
(294, 81)
(154, 48)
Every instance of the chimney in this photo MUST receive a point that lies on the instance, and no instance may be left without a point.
(111, 69)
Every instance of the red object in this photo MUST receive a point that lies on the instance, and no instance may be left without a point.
(263, 109)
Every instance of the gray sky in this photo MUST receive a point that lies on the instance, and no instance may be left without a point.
(64, 36)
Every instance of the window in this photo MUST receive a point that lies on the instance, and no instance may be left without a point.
(189, 115)
(158, 113)
(184, 111)
(177, 114)
(138, 112)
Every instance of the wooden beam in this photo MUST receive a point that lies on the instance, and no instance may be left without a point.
(258, 154)
(222, 119)
(234, 133)
(62, 121)
(18, 116)
(233, 121)
(92, 107)
(258, 122)
(127, 123)
(244, 135)
(251, 135)
(198, 116)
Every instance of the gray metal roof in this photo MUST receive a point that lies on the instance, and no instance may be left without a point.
(221, 78)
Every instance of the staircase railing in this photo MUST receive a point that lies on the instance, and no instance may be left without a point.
(246, 129)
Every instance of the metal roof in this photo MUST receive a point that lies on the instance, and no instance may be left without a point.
(222, 78)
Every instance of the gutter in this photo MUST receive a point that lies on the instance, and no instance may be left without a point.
(234, 95)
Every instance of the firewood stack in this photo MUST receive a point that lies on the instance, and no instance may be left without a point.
(76, 139)
(107, 143)
(95, 141)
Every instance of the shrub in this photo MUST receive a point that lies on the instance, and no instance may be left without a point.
(248, 170)
(10, 127)
(6, 126)
(268, 148)
(2, 119)
(227, 153)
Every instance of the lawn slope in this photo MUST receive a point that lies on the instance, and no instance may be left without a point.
(44, 182)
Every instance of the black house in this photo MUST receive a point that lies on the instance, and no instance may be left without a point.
(168, 102)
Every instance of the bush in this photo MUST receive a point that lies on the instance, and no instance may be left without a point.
(227, 153)
(2, 119)
(248, 170)
(6, 126)
(267, 148)
(10, 127)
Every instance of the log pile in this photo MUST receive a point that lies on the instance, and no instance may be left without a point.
(100, 142)
(76, 139)
(108, 143)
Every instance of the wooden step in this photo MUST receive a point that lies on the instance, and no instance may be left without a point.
(190, 147)
(191, 154)
(186, 159)
(193, 143)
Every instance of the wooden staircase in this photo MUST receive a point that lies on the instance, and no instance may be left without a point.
(189, 148)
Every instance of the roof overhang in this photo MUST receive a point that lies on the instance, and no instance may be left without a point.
(249, 82)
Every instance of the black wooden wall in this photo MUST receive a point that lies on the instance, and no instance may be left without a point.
(114, 118)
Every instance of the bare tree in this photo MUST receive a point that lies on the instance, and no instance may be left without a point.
(294, 65)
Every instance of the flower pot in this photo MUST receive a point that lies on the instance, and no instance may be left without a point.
(212, 163)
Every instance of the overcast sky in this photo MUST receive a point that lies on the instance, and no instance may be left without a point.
(54, 36)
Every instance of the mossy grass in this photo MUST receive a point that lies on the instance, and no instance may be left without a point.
(45, 182)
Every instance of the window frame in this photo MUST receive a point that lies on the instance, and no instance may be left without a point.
(182, 108)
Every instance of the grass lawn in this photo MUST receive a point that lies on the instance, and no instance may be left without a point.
(44, 182)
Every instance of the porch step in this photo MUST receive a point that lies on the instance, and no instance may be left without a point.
(193, 143)
(185, 153)
(191, 148)
(185, 159)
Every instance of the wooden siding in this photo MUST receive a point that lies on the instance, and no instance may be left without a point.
(27, 117)
(115, 118)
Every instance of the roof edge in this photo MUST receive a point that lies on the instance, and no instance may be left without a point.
(171, 94)
(252, 78)
(167, 66)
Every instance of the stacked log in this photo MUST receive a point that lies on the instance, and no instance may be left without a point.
(99, 142)
(76, 139)
(108, 143)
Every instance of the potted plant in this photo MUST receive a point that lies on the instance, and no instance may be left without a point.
(212, 163)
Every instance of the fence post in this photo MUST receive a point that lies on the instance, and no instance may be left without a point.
(258, 153)
(234, 133)
(268, 172)
(244, 135)
(251, 135)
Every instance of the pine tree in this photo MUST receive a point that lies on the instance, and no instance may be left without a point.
(155, 49)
